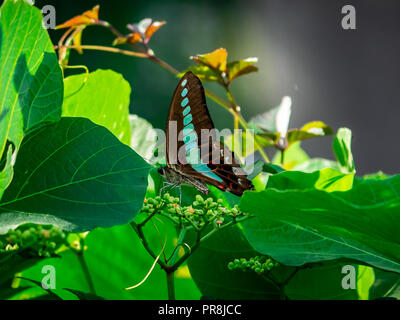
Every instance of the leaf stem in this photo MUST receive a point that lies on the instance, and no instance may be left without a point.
(85, 269)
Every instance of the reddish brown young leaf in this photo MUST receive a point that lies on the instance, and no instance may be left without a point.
(87, 18)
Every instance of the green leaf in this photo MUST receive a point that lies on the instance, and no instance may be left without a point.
(209, 269)
(321, 282)
(310, 130)
(365, 279)
(31, 80)
(12, 263)
(74, 174)
(272, 168)
(7, 170)
(52, 295)
(101, 96)
(376, 176)
(8, 293)
(359, 224)
(315, 164)
(84, 295)
(342, 150)
(387, 284)
(144, 137)
(116, 260)
(241, 67)
(313, 282)
(326, 179)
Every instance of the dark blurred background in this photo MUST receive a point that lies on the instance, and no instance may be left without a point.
(343, 77)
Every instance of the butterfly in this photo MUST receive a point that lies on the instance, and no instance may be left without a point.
(186, 161)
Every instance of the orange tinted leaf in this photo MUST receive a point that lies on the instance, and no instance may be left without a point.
(134, 37)
(131, 38)
(93, 14)
(215, 60)
(76, 21)
(238, 68)
(78, 40)
(153, 27)
(87, 18)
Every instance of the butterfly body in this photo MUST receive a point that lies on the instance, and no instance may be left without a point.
(191, 158)
(177, 178)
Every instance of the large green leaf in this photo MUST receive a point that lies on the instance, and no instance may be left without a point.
(321, 282)
(387, 284)
(101, 96)
(144, 137)
(116, 260)
(209, 269)
(74, 174)
(311, 225)
(31, 80)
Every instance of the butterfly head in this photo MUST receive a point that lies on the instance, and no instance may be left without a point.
(161, 171)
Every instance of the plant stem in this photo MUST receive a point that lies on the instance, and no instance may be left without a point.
(138, 229)
(108, 49)
(282, 157)
(182, 235)
(163, 64)
(85, 270)
(171, 284)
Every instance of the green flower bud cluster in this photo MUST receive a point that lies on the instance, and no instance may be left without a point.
(200, 212)
(258, 264)
(36, 240)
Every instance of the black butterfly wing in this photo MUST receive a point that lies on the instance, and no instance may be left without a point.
(190, 113)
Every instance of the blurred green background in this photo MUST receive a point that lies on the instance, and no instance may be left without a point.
(345, 78)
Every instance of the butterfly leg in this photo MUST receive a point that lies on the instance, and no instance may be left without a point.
(165, 186)
(180, 195)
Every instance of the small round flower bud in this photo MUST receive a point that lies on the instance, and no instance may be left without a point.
(199, 198)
